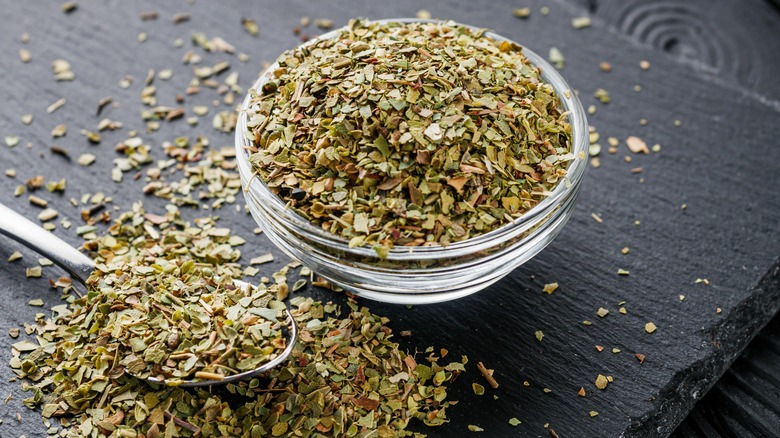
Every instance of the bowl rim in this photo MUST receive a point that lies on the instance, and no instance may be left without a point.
(565, 188)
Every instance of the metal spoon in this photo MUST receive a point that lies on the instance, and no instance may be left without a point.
(79, 266)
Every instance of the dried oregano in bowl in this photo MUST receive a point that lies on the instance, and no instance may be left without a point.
(411, 161)
(408, 134)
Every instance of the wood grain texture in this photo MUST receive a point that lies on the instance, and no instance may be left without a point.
(730, 41)
(721, 163)
(745, 400)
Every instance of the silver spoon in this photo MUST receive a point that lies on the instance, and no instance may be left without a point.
(79, 266)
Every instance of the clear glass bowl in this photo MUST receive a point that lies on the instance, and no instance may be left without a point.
(418, 275)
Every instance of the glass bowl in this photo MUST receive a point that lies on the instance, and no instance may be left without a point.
(419, 275)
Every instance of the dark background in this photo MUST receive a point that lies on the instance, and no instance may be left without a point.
(713, 68)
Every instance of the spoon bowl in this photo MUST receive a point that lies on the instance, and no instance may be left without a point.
(79, 266)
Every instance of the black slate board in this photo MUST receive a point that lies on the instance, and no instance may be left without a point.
(731, 42)
(720, 162)
(745, 400)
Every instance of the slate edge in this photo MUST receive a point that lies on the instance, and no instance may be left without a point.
(728, 339)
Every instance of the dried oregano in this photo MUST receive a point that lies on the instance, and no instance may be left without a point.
(408, 134)
(345, 375)
(161, 305)
(175, 320)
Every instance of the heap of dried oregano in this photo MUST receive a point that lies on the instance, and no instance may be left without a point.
(408, 134)
(345, 375)
(163, 309)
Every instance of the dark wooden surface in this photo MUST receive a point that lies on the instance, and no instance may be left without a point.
(745, 401)
(721, 163)
(731, 42)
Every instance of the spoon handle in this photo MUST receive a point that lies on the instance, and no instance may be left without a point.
(33, 236)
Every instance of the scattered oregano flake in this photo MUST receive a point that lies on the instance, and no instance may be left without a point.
(488, 375)
(38, 202)
(62, 70)
(11, 140)
(148, 16)
(602, 95)
(250, 26)
(181, 18)
(556, 58)
(25, 56)
(637, 145)
(86, 159)
(55, 106)
(521, 12)
(47, 214)
(69, 7)
(34, 272)
(581, 22)
(601, 382)
(323, 23)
